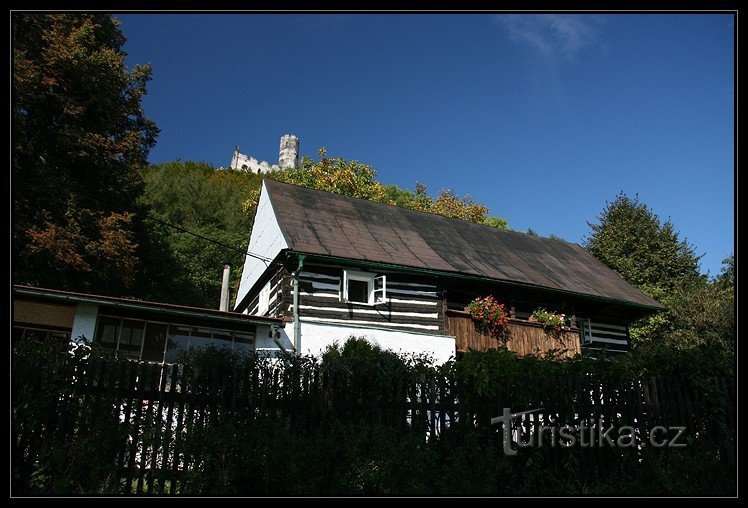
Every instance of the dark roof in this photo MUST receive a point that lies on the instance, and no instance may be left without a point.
(142, 305)
(324, 223)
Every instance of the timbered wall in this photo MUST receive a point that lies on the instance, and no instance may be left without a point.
(413, 303)
(604, 336)
(279, 297)
(608, 323)
(524, 337)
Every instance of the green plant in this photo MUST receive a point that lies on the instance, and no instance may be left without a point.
(550, 320)
(489, 317)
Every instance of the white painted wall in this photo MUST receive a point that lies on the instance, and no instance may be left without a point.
(315, 337)
(266, 240)
(84, 324)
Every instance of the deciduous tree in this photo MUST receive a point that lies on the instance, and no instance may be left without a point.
(79, 137)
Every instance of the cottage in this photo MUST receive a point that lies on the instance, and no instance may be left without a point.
(134, 329)
(336, 266)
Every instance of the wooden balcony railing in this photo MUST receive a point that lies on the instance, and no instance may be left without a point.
(524, 337)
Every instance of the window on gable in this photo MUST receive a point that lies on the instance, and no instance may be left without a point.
(364, 287)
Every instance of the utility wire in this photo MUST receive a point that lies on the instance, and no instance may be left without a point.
(212, 240)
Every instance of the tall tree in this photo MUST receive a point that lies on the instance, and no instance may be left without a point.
(79, 137)
(632, 240)
(648, 253)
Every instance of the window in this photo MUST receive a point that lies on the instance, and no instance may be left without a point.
(244, 342)
(163, 342)
(177, 342)
(154, 342)
(264, 300)
(358, 290)
(107, 333)
(202, 337)
(364, 287)
(131, 339)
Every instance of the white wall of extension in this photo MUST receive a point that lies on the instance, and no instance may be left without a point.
(316, 336)
(84, 324)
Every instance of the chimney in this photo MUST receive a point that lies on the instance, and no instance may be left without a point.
(224, 305)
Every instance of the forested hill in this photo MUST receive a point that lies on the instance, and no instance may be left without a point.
(207, 205)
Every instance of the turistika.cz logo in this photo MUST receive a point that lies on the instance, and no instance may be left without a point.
(586, 434)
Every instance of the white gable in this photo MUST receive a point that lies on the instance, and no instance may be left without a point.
(266, 241)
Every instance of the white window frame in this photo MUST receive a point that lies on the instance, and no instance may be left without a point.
(382, 290)
(370, 279)
(263, 300)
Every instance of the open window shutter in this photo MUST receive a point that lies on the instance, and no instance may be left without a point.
(380, 289)
(586, 330)
(344, 292)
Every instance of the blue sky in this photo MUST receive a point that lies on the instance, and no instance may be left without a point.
(542, 117)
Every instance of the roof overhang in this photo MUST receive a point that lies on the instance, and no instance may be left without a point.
(143, 306)
(487, 280)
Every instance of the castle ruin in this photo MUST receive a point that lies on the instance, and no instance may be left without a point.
(288, 157)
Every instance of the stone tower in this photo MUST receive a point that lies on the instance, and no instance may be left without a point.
(288, 156)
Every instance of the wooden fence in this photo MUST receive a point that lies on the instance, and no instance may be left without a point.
(152, 412)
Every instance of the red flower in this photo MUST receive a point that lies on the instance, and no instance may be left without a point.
(489, 316)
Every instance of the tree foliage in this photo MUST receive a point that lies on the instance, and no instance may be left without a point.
(195, 193)
(702, 314)
(648, 253)
(632, 240)
(352, 178)
(79, 136)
